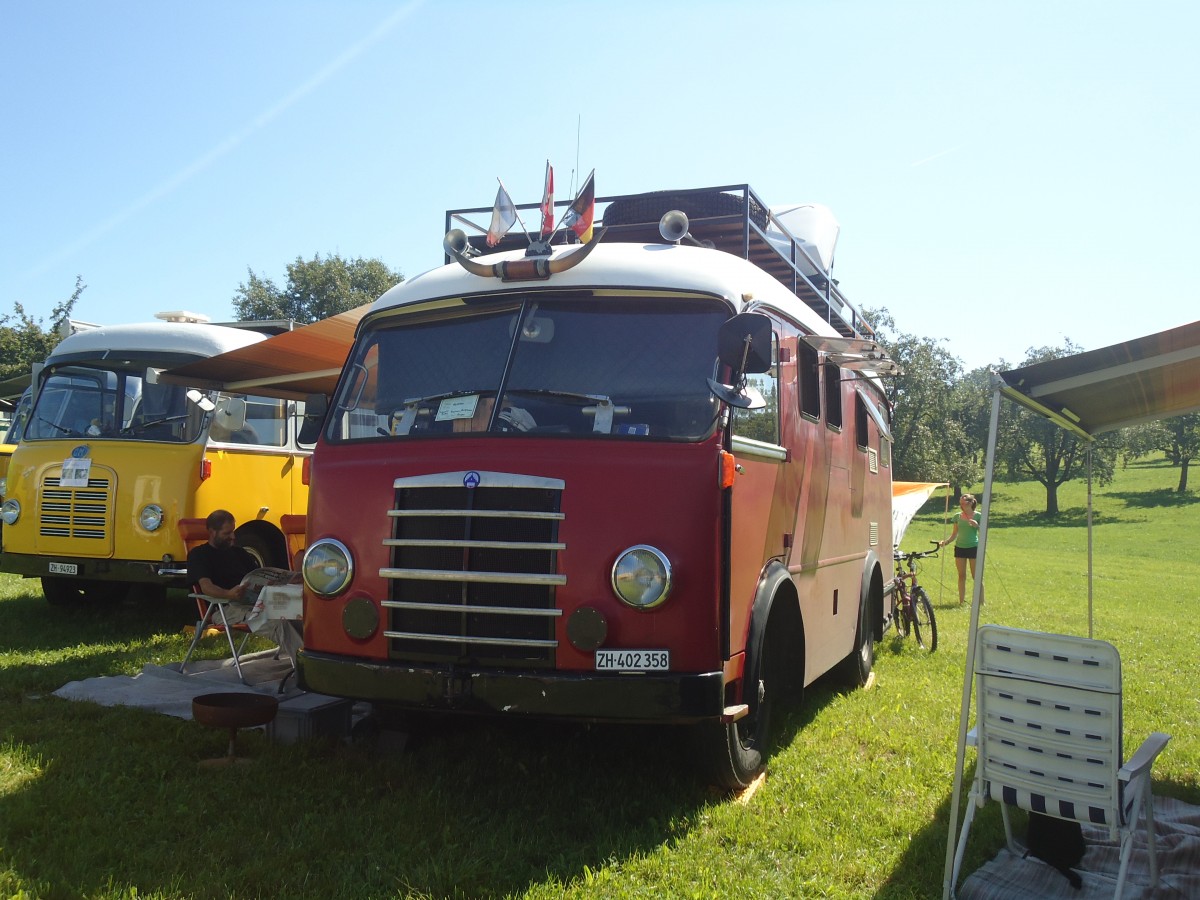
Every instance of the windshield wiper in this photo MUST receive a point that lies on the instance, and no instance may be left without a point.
(61, 429)
(434, 398)
(566, 395)
(135, 427)
(598, 405)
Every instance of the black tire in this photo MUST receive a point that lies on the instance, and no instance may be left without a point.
(735, 754)
(260, 549)
(79, 592)
(855, 669)
(649, 208)
(925, 625)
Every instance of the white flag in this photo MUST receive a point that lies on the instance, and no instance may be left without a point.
(503, 216)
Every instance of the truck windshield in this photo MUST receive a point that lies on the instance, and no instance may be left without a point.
(81, 401)
(634, 368)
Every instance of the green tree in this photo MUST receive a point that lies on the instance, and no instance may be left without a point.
(1033, 445)
(316, 289)
(930, 438)
(1177, 437)
(1185, 443)
(25, 340)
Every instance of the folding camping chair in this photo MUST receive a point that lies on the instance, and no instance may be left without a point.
(213, 613)
(1048, 733)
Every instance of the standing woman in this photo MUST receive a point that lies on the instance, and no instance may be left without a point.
(965, 538)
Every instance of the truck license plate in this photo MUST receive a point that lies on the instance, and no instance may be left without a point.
(57, 568)
(633, 660)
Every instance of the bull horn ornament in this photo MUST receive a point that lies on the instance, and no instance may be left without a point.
(530, 269)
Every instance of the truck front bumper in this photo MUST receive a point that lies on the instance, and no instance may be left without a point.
(580, 696)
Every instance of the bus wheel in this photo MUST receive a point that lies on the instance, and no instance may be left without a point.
(855, 669)
(257, 547)
(75, 592)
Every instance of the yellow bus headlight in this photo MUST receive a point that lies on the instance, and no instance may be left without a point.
(151, 517)
(10, 512)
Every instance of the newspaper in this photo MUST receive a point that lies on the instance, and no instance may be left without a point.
(265, 576)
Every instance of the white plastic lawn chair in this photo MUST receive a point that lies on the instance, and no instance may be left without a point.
(1048, 733)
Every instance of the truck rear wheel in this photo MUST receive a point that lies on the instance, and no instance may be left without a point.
(856, 668)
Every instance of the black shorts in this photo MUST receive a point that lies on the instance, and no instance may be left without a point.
(965, 552)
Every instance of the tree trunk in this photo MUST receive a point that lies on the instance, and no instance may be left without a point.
(1183, 469)
(1052, 499)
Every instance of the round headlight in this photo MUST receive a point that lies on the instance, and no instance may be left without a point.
(151, 517)
(10, 512)
(327, 567)
(641, 577)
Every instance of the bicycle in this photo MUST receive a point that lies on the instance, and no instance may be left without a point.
(911, 608)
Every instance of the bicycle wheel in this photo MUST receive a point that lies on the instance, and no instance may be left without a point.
(924, 622)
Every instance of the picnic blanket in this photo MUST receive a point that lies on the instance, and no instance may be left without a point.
(1177, 830)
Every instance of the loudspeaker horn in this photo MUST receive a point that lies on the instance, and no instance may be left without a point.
(673, 226)
(455, 242)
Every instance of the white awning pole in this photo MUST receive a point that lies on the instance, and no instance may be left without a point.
(969, 669)
(1089, 481)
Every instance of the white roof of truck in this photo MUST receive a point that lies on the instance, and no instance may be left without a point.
(622, 266)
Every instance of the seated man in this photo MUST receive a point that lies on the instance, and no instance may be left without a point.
(218, 566)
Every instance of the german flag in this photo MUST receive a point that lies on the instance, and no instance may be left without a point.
(580, 213)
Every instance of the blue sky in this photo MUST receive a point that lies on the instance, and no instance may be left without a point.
(1006, 175)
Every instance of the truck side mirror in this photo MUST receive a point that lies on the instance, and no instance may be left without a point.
(315, 408)
(743, 344)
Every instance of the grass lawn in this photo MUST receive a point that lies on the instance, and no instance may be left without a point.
(98, 802)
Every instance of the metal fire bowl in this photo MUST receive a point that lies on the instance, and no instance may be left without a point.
(234, 710)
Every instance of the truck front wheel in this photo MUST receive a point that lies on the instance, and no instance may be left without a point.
(734, 754)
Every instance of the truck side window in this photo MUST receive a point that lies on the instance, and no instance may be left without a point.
(862, 436)
(833, 396)
(809, 376)
(762, 424)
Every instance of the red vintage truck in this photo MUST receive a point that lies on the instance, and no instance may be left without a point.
(640, 479)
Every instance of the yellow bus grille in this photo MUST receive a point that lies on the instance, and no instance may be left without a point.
(75, 512)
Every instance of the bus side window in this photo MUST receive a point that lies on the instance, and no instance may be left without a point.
(266, 421)
(762, 424)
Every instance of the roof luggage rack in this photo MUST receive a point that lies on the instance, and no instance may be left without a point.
(732, 217)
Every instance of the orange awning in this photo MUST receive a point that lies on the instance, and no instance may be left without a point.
(305, 361)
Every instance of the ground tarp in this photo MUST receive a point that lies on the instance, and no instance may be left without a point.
(164, 689)
(1011, 877)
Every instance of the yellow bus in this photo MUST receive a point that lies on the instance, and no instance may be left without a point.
(114, 469)
(9, 442)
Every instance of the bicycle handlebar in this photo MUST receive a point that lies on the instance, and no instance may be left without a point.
(917, 554)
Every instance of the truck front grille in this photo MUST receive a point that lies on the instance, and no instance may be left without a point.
(474, 568)
(75, 512)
